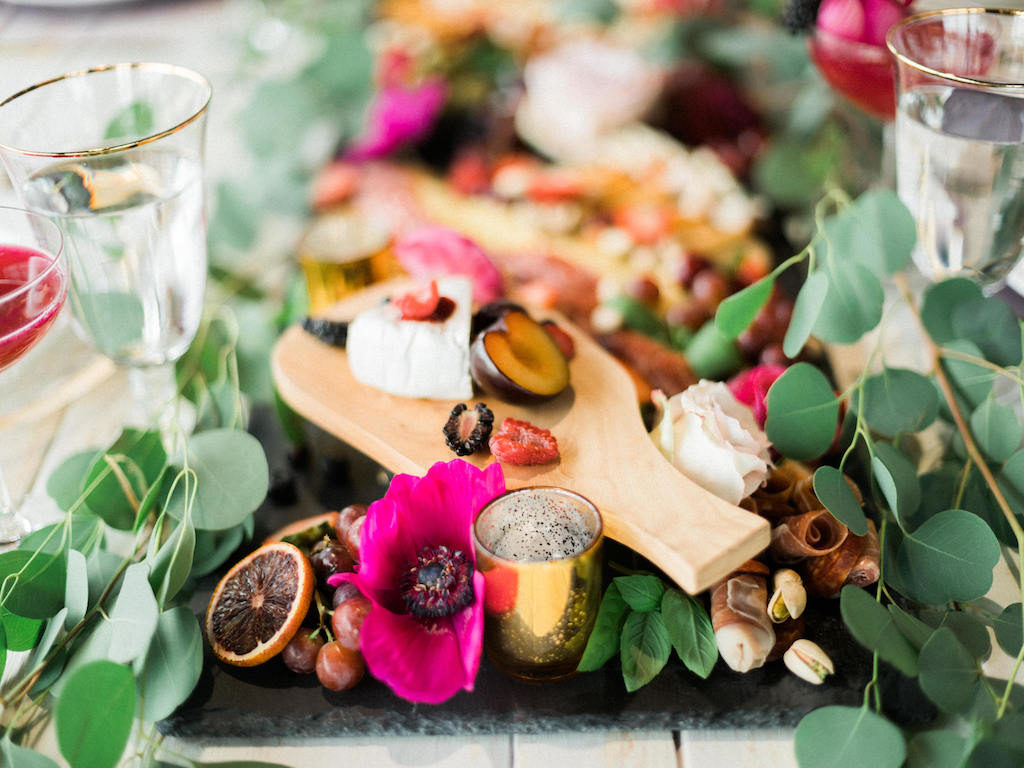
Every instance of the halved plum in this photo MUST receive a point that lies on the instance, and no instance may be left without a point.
(517, 360)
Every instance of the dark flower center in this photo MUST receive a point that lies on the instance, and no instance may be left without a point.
(438, 584)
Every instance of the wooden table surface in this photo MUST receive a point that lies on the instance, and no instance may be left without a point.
(36, 43)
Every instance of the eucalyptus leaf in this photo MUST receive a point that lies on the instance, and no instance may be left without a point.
(940, 302)
(54, 627)
(102, 565)
(950, 557)
(50, 675)
(739, 310)
(64, 485)
(970, 631)
(989, 753)
(232, 223)
(897, 479)
(173, 663)
(95, 646)
(21, 633)
(641, 591)
(885, 221)
(991, 325)
(853, 303)
(690, 632)
(76, 589)
(873, 627)
(711, 354)
(279, 114)
(86, 535)
(136, 460)
(898, 400)
(803, 412)
(134, 616)
(834, 492)
(1008, 629)
(19, 757)
(232, 479)
(170, 567)
(603, 643)
(912, 628)
(1009, 730)
(3, 650)
(32, 584)
(947, 671)
(93, 736)
(848, 737)
(996, 430)
(806, 309)
(212, 548)
(971, 381)
(936, 749)
(645, 648)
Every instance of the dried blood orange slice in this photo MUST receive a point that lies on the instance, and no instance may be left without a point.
(259, 604)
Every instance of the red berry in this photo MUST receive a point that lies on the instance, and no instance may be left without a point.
(338, 668)
(301, 652)
(347, 621)
(520, 442)
(419, 304)
(562, 339)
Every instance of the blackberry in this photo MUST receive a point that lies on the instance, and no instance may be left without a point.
(799, 15)
(331, 332)
(467, 431)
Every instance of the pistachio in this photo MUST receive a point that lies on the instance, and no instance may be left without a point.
(789, 599)
(807, 661)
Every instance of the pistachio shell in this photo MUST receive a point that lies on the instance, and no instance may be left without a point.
(808, 661)
(789, 599)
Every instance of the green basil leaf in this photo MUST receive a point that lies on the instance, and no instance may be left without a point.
(803, 412)
(947, 671)
(996, 430)
(898, 400)
(936, 749)
(645, 648)
(134, 615)
(32, 584)
(641, 591)
(1008, 629)
(603, 642)
(841, 737)
(873, 627)
(739, 310)
(690, 632)
(92, 736)
(834, 492)
(173, 663)
(806, 309)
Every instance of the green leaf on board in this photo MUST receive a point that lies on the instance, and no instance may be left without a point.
(232, 477)
(936, 749)
(853, 303)
(996, 430)
(806, 309)
(947, 671)
(32, 585)
(135, 121)
(136, 460)
(971, 381)
(843, 737)
(803, 412)
(645, 648)
(690, 632)
(873, 627)
(76, 588)
(93, 736)
(739, 310)
(603, 642)
(114, 321)
(134, 615)
(64, 485)
(912, 628)
(897, 479)
(970, 631)
(991, 325)
(173, 663)
(21, 633)
(171, 564)
(20, 757)
(898, 400)
(641, 591)
(1008, 630)
(949, 557)
(834, 492)
(940, 302)
(711, 354)
(212, 548)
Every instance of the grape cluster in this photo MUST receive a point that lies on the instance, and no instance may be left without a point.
(331, 648)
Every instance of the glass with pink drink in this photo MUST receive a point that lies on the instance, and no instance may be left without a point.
(33, 287)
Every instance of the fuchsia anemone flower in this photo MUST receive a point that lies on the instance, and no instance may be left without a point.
(417, 565)
(751, 387)
(398, 115)
(430, 251)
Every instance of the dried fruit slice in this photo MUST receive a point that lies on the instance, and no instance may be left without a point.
(259, 605)
(520, 442)
(419, 304)
(466, 431)
(333, 332)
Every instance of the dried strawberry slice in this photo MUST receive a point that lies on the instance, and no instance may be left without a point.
(520, 442)
(419, 304)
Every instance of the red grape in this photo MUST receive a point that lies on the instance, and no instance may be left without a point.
(689, 314)
(338, 668)
(347, 621)
(301, 652)
(689, 266)
(644, 290)
(352, 537)
(329, 558)
(344, 591)
(709, 288)
(346, 517)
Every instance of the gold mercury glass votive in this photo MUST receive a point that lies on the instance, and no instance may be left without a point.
(341, 254)
(539, 550)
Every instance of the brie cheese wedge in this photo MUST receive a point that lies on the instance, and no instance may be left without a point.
(415, 358)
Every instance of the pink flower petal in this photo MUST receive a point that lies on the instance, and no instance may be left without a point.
(842, 18)
(429, 251)
(469, 627)
(397, 116)
(751, 387)
(418, 663)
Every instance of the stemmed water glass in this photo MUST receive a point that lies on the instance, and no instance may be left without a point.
(33, 286)
(114, 155)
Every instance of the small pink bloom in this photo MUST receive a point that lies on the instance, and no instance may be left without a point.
(424, 633)
(751, 387)
(397, 116)
(431, 251)
(862, 21)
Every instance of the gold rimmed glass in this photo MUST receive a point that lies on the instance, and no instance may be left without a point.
(114, 155)
(960, 139)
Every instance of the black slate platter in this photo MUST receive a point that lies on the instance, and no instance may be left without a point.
(271, 701)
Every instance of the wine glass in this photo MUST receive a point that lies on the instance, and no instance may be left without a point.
(33, 286)
(960, 139)
(114, 155)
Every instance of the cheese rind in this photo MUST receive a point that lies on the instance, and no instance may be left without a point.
(415, 358)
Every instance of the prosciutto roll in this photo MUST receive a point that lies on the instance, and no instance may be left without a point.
(809, 534)
(739, 615)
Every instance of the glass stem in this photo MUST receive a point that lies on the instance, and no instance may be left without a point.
(153, 395)
(12, 525)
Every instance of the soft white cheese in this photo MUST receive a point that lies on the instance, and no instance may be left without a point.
(414, 358)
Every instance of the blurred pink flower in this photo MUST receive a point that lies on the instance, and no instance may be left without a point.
(424, 633)
(431, 251)
(751, 387)
(862, 21)
(398, 115)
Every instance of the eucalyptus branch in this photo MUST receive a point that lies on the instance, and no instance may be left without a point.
(981, 362)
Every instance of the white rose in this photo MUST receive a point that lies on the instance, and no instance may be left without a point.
(713, 439)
